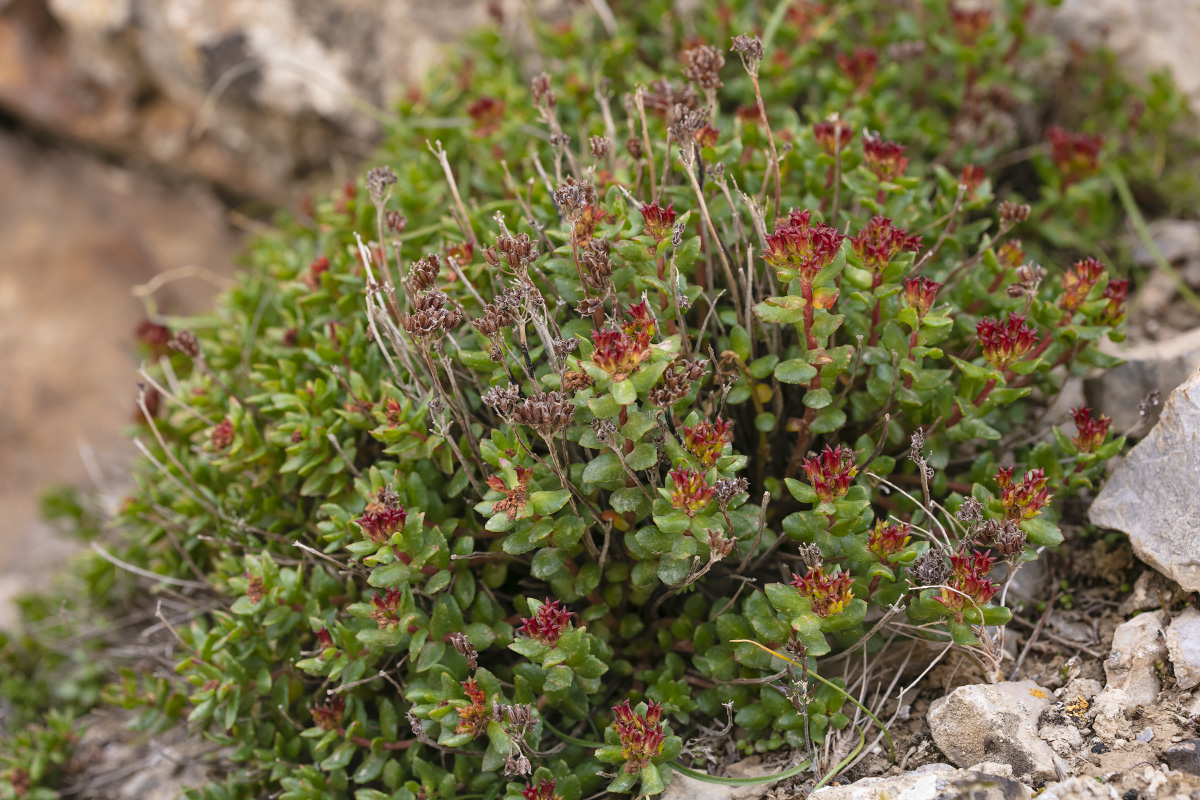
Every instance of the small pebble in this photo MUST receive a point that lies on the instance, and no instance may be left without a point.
(1146, 735)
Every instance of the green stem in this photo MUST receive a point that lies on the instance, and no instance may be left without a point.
(778, 776)
(843, 763)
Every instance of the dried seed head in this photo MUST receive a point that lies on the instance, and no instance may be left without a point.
(929, 569)
(395, 221)
(543, 93)
(633, 146)
(185, 342)
(430, 319)
(564, 347)
(380, 181)
(572, 197)
(704, 66)
(518, 252)
(574, 381)
(465, 649)
(502, 399)
(1013, 213)
(663, 96)
(1002, 535)
(810, 554)
(970, 512)
(686, 122)
(726, 490)
(676, 382)
(423, 274)
(589, 306)
(604, 429)
(596, 263)
(600, 146)
(545, 412)
(750, 48)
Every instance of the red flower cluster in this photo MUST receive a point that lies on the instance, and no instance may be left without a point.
(970, 24)
(969, 582)
(1077, 282)
(881, 241)
(542, 791)
(833, 135)
(616, 353)
(887, 539)
(316, 269)
(154, 336)
(221, 435)
(1077, 155)
(799, 248)
(1090, 433)
(325, 638)
(641, 736)
(547, 624)
(486, 114)
(387, 608)
(515, 497)
(829, 594)
(1005, 342)
(707, 439)
(473, 719)
(885, 159)
(1024, 500)
(972, 178)
(692, 492)
(1115, 293)
(1010, 254)
(659, 222)
(830, 472)
(462, 253)
(640, 326)
(382, 517)
(859, 66)
(920, 293)
(328, 717)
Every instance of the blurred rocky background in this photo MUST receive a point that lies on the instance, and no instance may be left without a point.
(139, 139)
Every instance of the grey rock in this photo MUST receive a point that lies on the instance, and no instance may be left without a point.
(930, 782)
(1137, 647)
(1159, 366)
(1080, 788)
(1145, 735)
(1146, 35)
(1150, 590)
(1183, 646)
(1176, 239)
(1184, 757)
(1152, 497)
(1061, 732)
(996, 722)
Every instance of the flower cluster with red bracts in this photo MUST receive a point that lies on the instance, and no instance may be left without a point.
(486, 114)
(1078, 281)
(541, 791)
(386, 611)
(972, 177)
(881, 241)
(318, 267)
(829, 594)
(616, 353)
(1004, 343)
(382, 516)
(888, 539)
(1010, 254)
(833, 135)
(659, 222)
(221, 435)
(691, 493)
(1090, 432)
(968, 583)
(830, 472)
(859, 66)
(920, 294)
(1076, 155)
(1026, 499)
(473, 719)
(801, 248)
(640, 325)
(516, 496)
(1115, 293)
(883, 158)
(641, 736)
(325, 638)
(706, 440)
(328, 717)
(970, 23)
(462, 253)
(548, 623)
